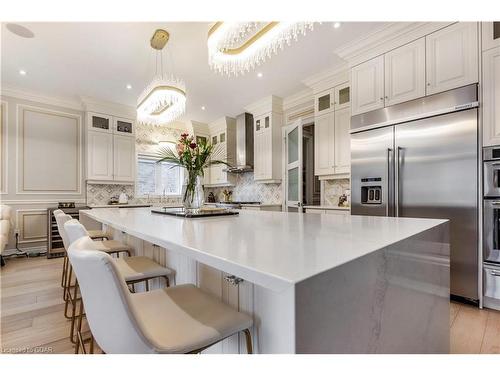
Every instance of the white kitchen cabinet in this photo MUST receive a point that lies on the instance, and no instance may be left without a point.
(491, 97)
(99, 122)
(405, 73)
(367, 83)
(267, 147)
(452, 57)
(222, 135)
(342, 96)
(99, 156)
(324, 142)
(490, 35)
(342, 148)
(123, 126)
(324, 102)
(124, 158)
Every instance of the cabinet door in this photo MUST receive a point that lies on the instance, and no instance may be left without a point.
(267, 154)
(324, 144)
(490, 35)
(99, 156)
(367, 85)
(99, 122)
(452, 57)
(124, 158)
(342, 96)
(405, 73)
(324, 102)
(342, 141)
(123, 126)
(491, 97)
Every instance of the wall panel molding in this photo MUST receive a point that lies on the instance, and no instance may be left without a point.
(31, 224)
(21, 188)
(4, 147)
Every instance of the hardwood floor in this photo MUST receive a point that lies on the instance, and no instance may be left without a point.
(32, 313)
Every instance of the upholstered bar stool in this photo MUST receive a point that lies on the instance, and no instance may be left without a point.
(133, 269)
(179, 319)
(94, 234)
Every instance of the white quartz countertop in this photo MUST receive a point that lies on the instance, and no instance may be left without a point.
(272, 249)
(248, 204)
(319, 207)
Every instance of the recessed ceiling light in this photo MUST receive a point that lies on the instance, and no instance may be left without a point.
(336, 25)
(19, 30)
(129, 86)
(22, 72)
(259, 75)
(202, 107)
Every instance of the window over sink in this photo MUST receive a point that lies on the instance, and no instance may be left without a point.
(156, 179)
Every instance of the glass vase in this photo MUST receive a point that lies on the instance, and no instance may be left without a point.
(192, 192)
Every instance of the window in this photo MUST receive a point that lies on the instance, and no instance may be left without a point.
(157, 178)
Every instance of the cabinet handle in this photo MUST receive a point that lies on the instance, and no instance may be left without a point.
(494, 273)
(233, 280)
(381, 98)
(428, 83)
(387, 97)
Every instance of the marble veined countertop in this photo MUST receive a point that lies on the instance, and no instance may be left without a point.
(273, 249)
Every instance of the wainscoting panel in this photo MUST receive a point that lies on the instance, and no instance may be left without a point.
(32, 225)
(49, 152)
(4, 136)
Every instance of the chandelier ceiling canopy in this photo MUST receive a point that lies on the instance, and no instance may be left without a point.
(237, 47)
(164, 99)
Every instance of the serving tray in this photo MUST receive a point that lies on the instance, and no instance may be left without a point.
(201, 212)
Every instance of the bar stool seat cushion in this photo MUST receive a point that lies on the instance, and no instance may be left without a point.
(140, 267)
(111, 246)
(97, 233)
(183, 318)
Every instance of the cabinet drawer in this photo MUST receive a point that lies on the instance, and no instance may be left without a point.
(492, 281)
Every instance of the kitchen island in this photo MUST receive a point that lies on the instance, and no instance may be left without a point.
(313, 283)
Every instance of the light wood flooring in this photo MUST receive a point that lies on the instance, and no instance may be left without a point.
(32, 313)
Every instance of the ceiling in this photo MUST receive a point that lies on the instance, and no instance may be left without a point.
(99, 59)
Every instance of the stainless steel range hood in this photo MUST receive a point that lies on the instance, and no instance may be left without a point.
(244, 144)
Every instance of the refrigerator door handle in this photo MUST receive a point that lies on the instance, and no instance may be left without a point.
(396, 193)
(389, 195)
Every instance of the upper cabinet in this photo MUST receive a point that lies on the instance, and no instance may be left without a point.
(111, 156)
(367, 82)
(324, 102)
(452, 57)
(267, 147)
(490, 35)
(491, 97)
(443, 60)
(222, 134)
(405, 73)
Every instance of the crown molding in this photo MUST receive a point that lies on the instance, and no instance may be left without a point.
(385, 39)
(270, 103)
(328, 78)
(20, 93)
(110, 108)
(301, 98)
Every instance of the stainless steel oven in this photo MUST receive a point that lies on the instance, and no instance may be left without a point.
(491, 228)
(491, 172)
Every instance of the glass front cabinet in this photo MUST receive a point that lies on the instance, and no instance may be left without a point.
(336, 98)
(491, 35)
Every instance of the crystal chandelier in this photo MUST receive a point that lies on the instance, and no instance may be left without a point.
(164, 99)
(237, 47)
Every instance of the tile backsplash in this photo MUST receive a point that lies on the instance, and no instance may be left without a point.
(99, 194)
(246, 189)
(334, 189)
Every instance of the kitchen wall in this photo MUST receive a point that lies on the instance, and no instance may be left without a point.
(333, 189)
(42, 161)
(246, 189)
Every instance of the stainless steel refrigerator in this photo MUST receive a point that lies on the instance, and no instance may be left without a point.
(420, 159)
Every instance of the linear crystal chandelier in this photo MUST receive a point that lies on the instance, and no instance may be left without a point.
(164, 99)
(237, 47)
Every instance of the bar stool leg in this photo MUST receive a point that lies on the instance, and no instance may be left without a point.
(248, 338)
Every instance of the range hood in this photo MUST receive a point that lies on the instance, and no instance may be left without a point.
(244, 144)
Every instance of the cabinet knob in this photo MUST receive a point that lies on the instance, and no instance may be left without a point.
(387, 97)
(381, 98)
(233, 280)
(428, 83)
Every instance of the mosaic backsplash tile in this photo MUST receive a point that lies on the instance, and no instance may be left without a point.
(99, 194)
(334, 189)
(246, 189)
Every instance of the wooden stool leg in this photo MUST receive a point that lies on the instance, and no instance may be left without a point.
(65, 266)
(147, 285)
(74, 302)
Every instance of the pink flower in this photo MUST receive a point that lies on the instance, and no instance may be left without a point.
(192, 145)
(180, 148)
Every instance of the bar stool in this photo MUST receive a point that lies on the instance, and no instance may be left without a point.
(133, 269)
(179, 319)
(94, 234)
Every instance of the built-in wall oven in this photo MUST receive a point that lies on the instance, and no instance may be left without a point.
(491, 226)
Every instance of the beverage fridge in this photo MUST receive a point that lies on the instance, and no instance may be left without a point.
(420, 159)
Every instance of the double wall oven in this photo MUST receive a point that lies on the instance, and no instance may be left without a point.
(491, 226)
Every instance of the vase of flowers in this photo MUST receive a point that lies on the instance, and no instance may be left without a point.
(193, 157)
